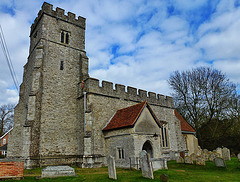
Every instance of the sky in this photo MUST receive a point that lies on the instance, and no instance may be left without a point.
(138, 43)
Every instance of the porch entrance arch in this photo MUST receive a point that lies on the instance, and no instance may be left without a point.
(148, 148)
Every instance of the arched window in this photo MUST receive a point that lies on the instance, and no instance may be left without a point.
(67, 38)
(62, 37)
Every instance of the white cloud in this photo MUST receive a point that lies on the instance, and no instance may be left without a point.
(149, 40)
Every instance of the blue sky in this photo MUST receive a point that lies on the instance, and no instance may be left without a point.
(136, 43)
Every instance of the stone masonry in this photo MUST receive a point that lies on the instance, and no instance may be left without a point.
(62, 111)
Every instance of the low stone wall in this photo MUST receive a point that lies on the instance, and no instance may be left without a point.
(11, 168)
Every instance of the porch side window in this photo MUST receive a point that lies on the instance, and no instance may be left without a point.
(164, 137)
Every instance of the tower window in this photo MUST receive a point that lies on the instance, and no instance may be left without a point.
(61, 65)
(65, 37)
(62, 37)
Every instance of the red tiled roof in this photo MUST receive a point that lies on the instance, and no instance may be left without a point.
(185, 126)
(127, 117)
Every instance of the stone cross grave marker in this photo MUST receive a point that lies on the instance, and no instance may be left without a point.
(238, 157)
(219, 162)
(188, 160)
(179, 159)
(57, 171)
(111, 167)
(146, 165)
(226, 154)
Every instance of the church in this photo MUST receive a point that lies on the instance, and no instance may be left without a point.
(64, 117)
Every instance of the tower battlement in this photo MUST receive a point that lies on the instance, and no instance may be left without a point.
(126, 92)
(58, 14)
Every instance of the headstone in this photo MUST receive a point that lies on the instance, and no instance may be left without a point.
(219, 162)
(205, 150)
(182, 154)
(158, 163)
(179, 159)
(57, 171)
(146, 165)
(111, 167)
(212, 156)
(200, 152)
(205, 156)
(238, 157)
(219, 151)
(164, 178)
(200, 161)
(172, 155)
(226, 154)
(193, 156)
(188, 160)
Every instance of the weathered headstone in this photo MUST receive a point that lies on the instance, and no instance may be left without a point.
(219, 162)
(182, 154)
(57, 171)
(172, 155)
(200, 152)
(146, 165)
(200, 161)
(193, 156)
(164, 178)
(205, 156)
(226, 154)
(158, 163)
(179, 159)
(238, 157)
(111, 167)
(212, 156)
(219, 151)
(205, 150)
(188, 160)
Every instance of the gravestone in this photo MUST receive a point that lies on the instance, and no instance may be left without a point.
(188, 160)
(205, 150)
(205, 156)
(146, 165)
(179, 159)
(182, 154)
(164, 178)
(212, 156)
(193, 156)
(200, 161)
(57, 171)
(219, 151)
(226, 154)
(172, 155)
(111, 167)
(219, 162)
(238, 157)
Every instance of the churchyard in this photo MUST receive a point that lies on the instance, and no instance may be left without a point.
(175, 172)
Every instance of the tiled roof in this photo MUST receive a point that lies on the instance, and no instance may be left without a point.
(185, 126)
(127, 117)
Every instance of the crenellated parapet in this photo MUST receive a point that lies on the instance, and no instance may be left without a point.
(92, 86)
(58, 14)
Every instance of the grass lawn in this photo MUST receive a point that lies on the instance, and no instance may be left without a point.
(176, 172)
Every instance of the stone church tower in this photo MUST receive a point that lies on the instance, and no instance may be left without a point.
(63, 115)
(47, 118)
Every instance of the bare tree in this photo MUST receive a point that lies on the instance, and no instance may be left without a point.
(203, 95)
(6, 118)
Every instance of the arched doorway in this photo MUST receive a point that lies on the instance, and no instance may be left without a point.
(148, 148)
